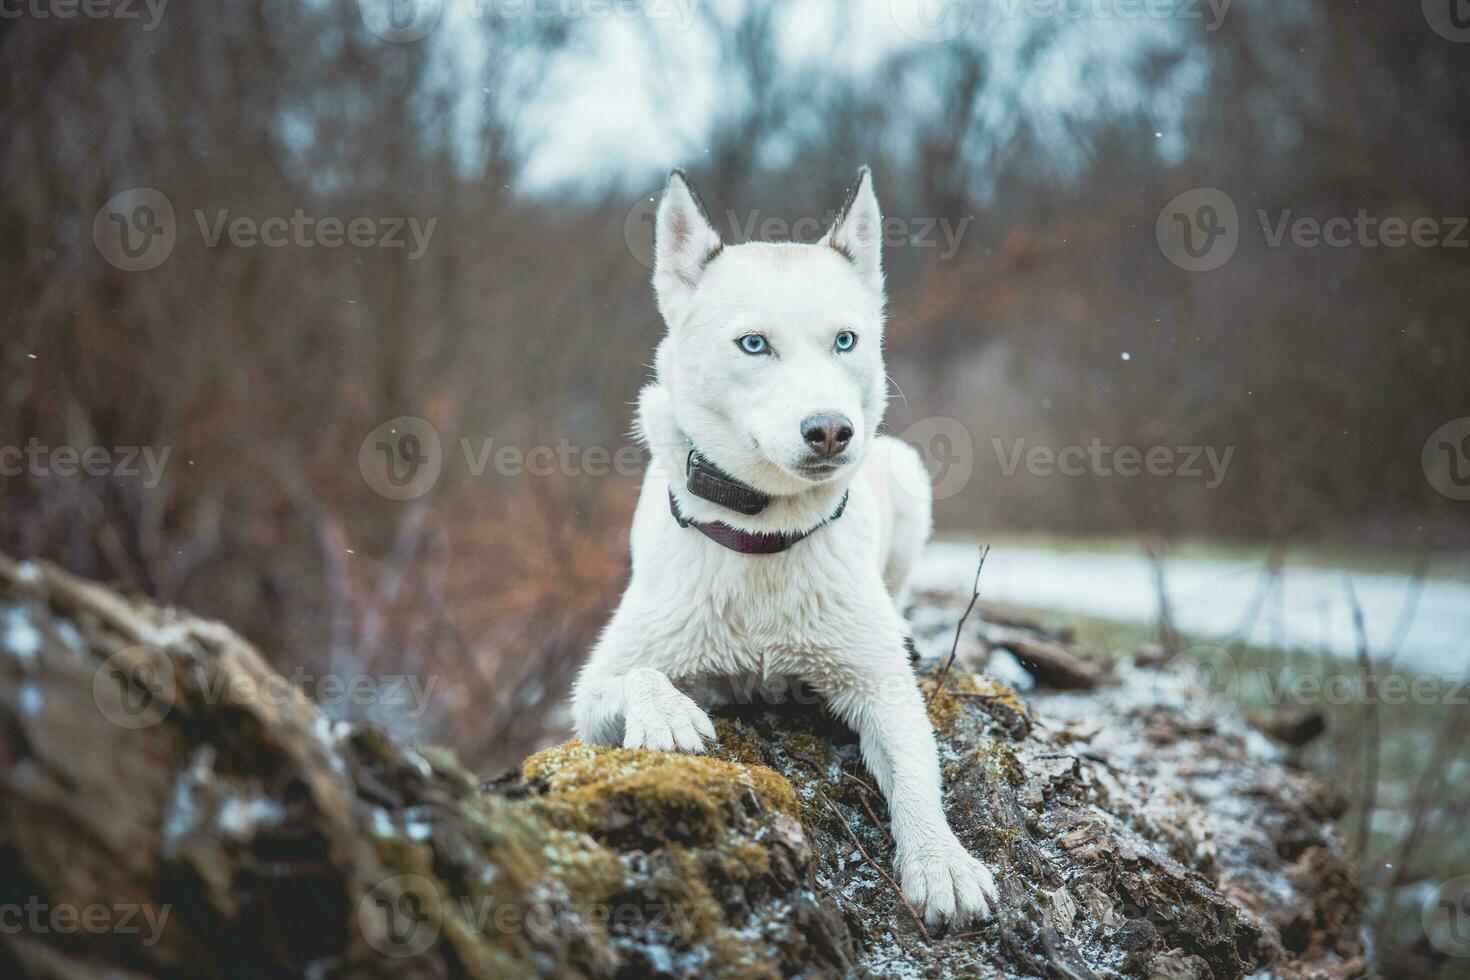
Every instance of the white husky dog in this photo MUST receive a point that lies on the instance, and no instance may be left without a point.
(776, 527)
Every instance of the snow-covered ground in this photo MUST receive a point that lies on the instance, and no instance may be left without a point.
(1307, 607)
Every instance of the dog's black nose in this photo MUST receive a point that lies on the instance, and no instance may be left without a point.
(827, 434)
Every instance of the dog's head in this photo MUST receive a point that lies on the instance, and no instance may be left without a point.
(774, 353)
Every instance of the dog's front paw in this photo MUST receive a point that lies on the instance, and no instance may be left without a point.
(946, 883)
(657, 715)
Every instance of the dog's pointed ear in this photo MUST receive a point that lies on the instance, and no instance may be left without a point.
(684, 242)
(858, 232)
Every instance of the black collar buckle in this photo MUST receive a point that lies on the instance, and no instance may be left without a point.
(708, 482)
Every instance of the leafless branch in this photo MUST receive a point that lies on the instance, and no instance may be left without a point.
(1168, 639)
(959, 628)
(1368, 793)
(874, 864)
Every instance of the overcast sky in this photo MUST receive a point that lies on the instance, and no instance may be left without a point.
(630, 98)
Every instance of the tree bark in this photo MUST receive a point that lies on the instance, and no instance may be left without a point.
(171, 807)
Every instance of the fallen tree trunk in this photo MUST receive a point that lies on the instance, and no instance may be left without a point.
(1053, 665)
(170, 807)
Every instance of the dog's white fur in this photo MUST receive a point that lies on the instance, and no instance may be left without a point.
(699, 621)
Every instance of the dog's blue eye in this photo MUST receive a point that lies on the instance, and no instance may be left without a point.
(846, 340)
(753, 343)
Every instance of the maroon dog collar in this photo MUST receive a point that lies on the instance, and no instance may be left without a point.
(709, 482)
(749, 542)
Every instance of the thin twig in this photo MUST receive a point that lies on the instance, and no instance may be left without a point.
(1168, 639)
(862, 796)
(874, 864)
(1270, 576)
(873, 816)
(1368, 796)
(959, 628)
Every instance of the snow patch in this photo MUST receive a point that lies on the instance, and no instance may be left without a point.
(70, 635)
(1004, 667)
(31, 699)
(240, 817)
(20, 638)
(1308, 608)
(182, 815)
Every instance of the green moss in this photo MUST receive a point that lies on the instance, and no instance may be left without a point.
(693, 818)
(509, 846)
(590, 873)
(809, 747)
(737, 958)
(1000, 760)
(682, 842)
(806, 759)
(677, 880)
(945, 707)
(737, 742)
(444, 764)
(593, 788)
(743, 861)
(988, 687)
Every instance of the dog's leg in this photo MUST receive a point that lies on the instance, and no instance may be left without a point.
(881, 702)
(637, 706)
(597, 706)
(657, 715)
